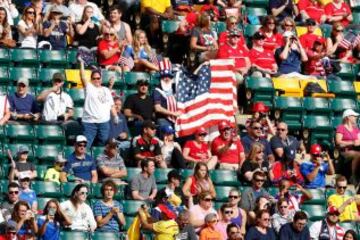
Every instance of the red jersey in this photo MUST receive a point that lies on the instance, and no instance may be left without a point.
(314, 66)
(239, 54)
(281, 173)
(273, 41)
(106, 45)
(313, 10)
(307, 40)
(196, 152)
(264, 59)
(232, 155)
(332, 10)
(224, 36)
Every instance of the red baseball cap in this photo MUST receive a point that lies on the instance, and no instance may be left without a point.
(165, 210)
(200, 130)
(260, 107)
(333, 210)
(315, 149)
(223, 125)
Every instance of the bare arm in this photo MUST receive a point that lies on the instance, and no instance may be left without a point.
(81, 28)
(186, 152)
(63, 177)
(136, 196)
(82, 73)
(311, 176)
(186, 187)
(94, 176)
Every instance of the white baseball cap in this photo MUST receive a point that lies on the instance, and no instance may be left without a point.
(350, 112)
(80, 138)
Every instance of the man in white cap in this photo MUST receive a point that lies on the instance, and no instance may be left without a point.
(23, 106)
(53, 174)
(80, 164)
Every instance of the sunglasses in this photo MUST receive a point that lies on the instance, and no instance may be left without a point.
(14, 192)
(81, 145)
(207, 199)
(96, 78)
(289, 25)
(257, 128)
(259, 180)
(202, 134)
(342, 187)
(281, 129)
(83, 193)
(266, 219)
(259, 152)
(334, 214)
(283, 206)
(30, 12)
(231, 233)
(25, 180)
(109, 34)
(233, 23)
(228, 212)
(339, 30)
(213, 221)
(61, 164)
(234, 197)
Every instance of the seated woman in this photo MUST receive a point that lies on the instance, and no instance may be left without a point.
(5, 30)
(198, 150)
(199, 182)
(199, 211)
(273, 39)
(29, 28)
(25, 222)
(347, 138)
(334, 47)
(86, 31)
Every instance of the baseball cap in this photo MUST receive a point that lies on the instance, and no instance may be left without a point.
(80, 138)
(289, 153)
(24, 81)
(58, 77)
(315, 149)
(60, 159)
(173, 174)
(149, 124)
(310, 22)
(224, 125)
(333, 210)
(22, 149)
(167, 129)
(200, 130)
(10, 226)
(258, 36)
(167, 211)
(260, 107)
(350, 112)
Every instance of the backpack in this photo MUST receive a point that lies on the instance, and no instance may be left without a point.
(311, 88)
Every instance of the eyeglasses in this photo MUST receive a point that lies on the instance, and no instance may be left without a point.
(228, 212)
(14, 192)
(207, 199)
(95, 78)
(233, 23)
(61, 164)
(259, 180)
(259, 152)
(342, 187)
(281, 129)
(231, 233)
(234, 197)
(83, 193)
(285, 206)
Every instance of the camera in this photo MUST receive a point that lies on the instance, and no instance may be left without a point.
(61, 118)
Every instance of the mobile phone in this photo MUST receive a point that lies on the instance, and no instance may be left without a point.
(52, 211)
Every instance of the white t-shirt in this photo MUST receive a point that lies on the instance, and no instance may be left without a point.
(27, 41)
(98, 103)
(82, 218)
(55, 105)
(4, 104)
(76, 11)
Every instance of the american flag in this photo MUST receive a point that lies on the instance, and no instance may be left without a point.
(350, 39)
(206, 98)
(126, 61)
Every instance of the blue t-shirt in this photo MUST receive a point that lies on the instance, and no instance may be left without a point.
(320, 179)
(247, 142)
(24, 230)
(287, 232)
(116, 129)
(28, 196)
(80, 168)
(23, 105)
(254, 234)
(57, 37)
(52, 229)
(100, 209)
(289, 65)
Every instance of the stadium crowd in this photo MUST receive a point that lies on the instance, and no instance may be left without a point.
(277, 174)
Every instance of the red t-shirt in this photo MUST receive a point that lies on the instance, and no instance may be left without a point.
(314, 66)
(272, 42)
(232, 155)
(264, 59)
(307, 40)
(280, 173)
(196, 152)
(332, 10)
(238, 53)
(313, 10)
(224, 36)
(106, 45)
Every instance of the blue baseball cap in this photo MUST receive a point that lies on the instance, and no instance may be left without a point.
(167, 129)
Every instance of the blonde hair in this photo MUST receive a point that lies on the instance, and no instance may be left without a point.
(287, 19)
(255, 148)
(137, 44)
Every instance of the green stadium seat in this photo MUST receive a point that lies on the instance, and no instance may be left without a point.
(45, 75)
(64, 235)
(71, 56)
(78, 112)
(348, 225)
(315, 212)
(222, 193)
(131, 78)
(169, 26)
(128, 92)
(41, 171)
(250, 30)
(47, 153)
(318, 197)
(320, 129)
(289, 110)
(356, 17)
(131, 173)
(107, 74)
(4, 57)
(105, 235)
(224, 178)
(260, 89)
(273, 191)
(219, 27)
(131, 207)
(338, 105)
(19, 133)
(24, 57)
(15, 73)
(3, 155)
(161, 175)
(128, 221)
(317, 106)
(257, 3)
(331, 191)
(67, 151)
(67, 188)
(326, 30)
(14, 148)
(47, 189)
(77, 95)
(49, 134)
(253, 11)
(4, 75)
(185, 173)
(346, 72)
(5, 170)
(53, 58)
(42, 201)
(96, 151)
(342, 89)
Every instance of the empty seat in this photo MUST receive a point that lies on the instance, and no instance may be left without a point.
(64, 235)
(67, 188)
(15, 73)
(131, 207)
(106, 75)
(342, 89)
(78, 96)
(289, 110)
(96, 151)
(289, 87)
(105, 235)
(131, 173)
(260, 89)
(49, 134)
(53, 58)
(250, 30)
(318, 197)
(315, 212)
(317, 106)
(4, 75)
(224, 178)
(4, 57)
(41, 171)
(161, 175)
(19, 133)
(47, 153)
(24, 57)
(47, 189)
(222, 193)
(169, 26)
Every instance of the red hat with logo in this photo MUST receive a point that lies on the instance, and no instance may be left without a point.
(224, 125)
(260, 107)
(200, 130)
(315, 149)
(333, 210)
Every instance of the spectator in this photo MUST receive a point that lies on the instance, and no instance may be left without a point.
(226, 212)
(334, 48)
(170, 149)
(87, 31)
(233, 232)
(317, 63)
(55, 31)
(256, 190)
(260, 113)
(312, 9)
(288, 25)
(199, 211)
(29, 28)
(315, 171)
(282, 216)
(256, 162)
(203, 39)
(282, 140)
(143, 186)
(109, 212)
(297, 229)
(50, 222)
(110, 164)
(157, 9)
(78, 211)
(12, 197)
(97, 107)
(6, 39)
(10, 232)
(147, 146)
(210, 8)
(197, 150)
(77, 8)
(347, 138)
(199, 182)
(4, 108)
(60, 5)
(210, 231)
(38, 5)
(262, 229)
(172, 188)
(11, 11)
(79, 164)
(28, 195)
(272, 39)
(23, 105)
(139, 106)
(287, 168)
(58, 105)
(231, 8)
(262, 60)
(25, 222)
(53, 174)
(228, 148)
(186, 230)
(261, 203)
(283, 9)
(239, 216)
(338, 10)
(109, 50)
(22, 167)
(290, 56)
(231, 24)
(350, 235)
(120, 131)
(344, 204)
(308, 39)
(233, 50)
(122, 29)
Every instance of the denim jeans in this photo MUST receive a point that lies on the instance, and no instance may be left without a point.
(99, 130)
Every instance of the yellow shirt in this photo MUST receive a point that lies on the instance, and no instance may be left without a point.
(165, 230)
(52, 175)
(158, 5)
(350, 212)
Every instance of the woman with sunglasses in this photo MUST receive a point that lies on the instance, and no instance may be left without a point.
(78, 211)
(199, 211)
(256, 162)
(25, 222)
(334, 47)
(262, 230)
(29, 28)
(273, 39)
(238, 216)
(199, 182)
(50, 222)
(198, 150)
(282, 216)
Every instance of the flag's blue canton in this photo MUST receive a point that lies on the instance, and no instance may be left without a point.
(191, 86)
